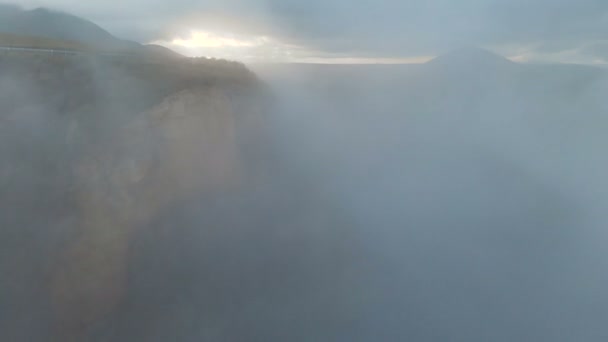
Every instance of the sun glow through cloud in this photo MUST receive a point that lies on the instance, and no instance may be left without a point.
(202, 39)
(231, 46)
(265, 49)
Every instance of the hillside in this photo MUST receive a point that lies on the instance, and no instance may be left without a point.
(43, 28)
(55, 25)
(21, 41)
(97, 147)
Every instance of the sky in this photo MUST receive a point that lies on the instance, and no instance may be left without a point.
(387, 31)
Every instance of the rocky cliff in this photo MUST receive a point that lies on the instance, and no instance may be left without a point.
(93, 149)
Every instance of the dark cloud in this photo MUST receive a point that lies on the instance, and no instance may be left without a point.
(366, 27)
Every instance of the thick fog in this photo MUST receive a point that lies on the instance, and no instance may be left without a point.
(475, 187)
(460, 200)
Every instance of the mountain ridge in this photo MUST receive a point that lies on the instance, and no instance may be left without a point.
(56, 26)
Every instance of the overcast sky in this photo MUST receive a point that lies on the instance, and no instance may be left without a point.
(398, 30)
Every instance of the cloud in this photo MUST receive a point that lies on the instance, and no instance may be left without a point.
(365, 28)
(247, 48)
(599, 50)
(431, 26)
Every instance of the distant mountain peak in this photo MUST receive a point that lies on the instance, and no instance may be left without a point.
(471, 57)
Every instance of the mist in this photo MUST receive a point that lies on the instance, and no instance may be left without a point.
(146, 196)
(470, 183)
(460, 200)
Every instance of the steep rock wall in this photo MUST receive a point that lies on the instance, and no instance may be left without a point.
(178, 149)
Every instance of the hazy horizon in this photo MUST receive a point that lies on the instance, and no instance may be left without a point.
(273, 30)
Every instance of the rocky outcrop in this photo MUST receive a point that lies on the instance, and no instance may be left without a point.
(184, 146)
(92, 150)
